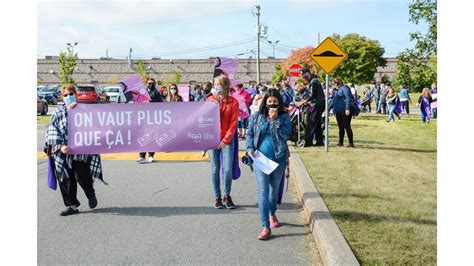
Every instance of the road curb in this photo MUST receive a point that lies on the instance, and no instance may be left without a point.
(332, 245)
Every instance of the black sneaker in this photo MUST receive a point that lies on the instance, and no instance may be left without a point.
(219, 204)
(228, 202)
(340, 144)
(93, 202)
(69, 211)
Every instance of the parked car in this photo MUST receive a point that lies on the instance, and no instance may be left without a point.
(41, 105)
(103, 98)
(49, 93)
(115, 94)
(87, 94)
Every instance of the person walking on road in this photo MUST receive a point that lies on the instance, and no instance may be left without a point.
(342, 101)
(391, 99)
(229, 113)
(70, 169)
(405, 99)
(424, 102)
(316, 99)
(383, 99)
(155, 97)
(268, 132)
(376, 94)
(434, 98)
(245, 101)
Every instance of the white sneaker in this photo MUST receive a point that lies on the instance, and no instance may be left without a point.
(141, 160)
(151, 159)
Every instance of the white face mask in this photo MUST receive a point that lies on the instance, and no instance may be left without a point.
(173, 91)
(217, 90)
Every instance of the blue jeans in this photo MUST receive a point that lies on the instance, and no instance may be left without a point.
(268, 186)
(424, 116)
(377, 105)
(228, 157)
(391, 110)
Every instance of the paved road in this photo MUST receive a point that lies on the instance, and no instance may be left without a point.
(162, 213)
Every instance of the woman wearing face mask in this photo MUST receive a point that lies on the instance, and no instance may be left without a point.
(155, 96)
(268, 132)
(229, 113)
(70, 169)
(173, 95)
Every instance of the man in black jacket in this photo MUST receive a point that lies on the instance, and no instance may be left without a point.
(317, 100)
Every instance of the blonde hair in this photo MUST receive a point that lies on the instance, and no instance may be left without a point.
(225, 82)
(426, 92)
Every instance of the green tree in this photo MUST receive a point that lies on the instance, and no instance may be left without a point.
(67, 64)
(417, 67)
(365, 55)
(141, 70)
(278, 75)
(176, 76)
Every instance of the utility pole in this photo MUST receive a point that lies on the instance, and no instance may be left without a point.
(130, 58)
(258, 43)
(107, 53)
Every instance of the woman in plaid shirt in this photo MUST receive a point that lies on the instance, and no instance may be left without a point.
(70, 168)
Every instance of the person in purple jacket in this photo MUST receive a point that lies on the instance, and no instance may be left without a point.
(424, 102)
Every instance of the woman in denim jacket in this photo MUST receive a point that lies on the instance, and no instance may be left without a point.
(268, 132)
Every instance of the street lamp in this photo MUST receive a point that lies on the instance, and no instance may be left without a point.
(273, 45)
(69, 45)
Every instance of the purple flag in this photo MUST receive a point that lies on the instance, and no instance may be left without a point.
(226, 66)
(135, 89)
(114, 128)
(52, 184)
(235, 161)
(292, 81)
(183, 91)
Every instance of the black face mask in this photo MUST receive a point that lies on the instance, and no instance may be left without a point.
(151, 87)
(272, 106)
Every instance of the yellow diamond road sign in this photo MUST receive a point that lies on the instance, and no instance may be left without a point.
(328, 55)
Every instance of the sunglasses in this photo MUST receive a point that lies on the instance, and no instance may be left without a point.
(70, 94)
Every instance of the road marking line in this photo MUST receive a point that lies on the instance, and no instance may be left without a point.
(159, 156)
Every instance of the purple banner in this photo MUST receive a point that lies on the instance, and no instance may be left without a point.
(292, 81)
(183, 91)
(135, 90)
(226, 66)
(114, 128)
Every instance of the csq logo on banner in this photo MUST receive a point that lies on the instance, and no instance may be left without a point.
(96, 129)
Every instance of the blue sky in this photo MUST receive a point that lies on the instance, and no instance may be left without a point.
(168, 29)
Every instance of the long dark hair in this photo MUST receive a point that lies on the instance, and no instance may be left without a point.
(263, 104)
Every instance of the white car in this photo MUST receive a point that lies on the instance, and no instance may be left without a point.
(115, 94)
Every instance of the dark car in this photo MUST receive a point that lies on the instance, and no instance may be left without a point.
(49, 93)
(87, 94)
(41, 105)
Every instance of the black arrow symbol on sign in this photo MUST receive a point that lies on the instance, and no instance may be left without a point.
(329, 54)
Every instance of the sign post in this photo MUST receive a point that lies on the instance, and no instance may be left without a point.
(328, 55)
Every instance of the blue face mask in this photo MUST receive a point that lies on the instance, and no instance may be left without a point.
(70, 99)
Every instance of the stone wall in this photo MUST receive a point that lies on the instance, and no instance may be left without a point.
(106, 72)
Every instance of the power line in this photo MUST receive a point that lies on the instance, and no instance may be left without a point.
(193, 50)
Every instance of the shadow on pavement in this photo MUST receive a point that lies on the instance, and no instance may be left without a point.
(175, 211)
